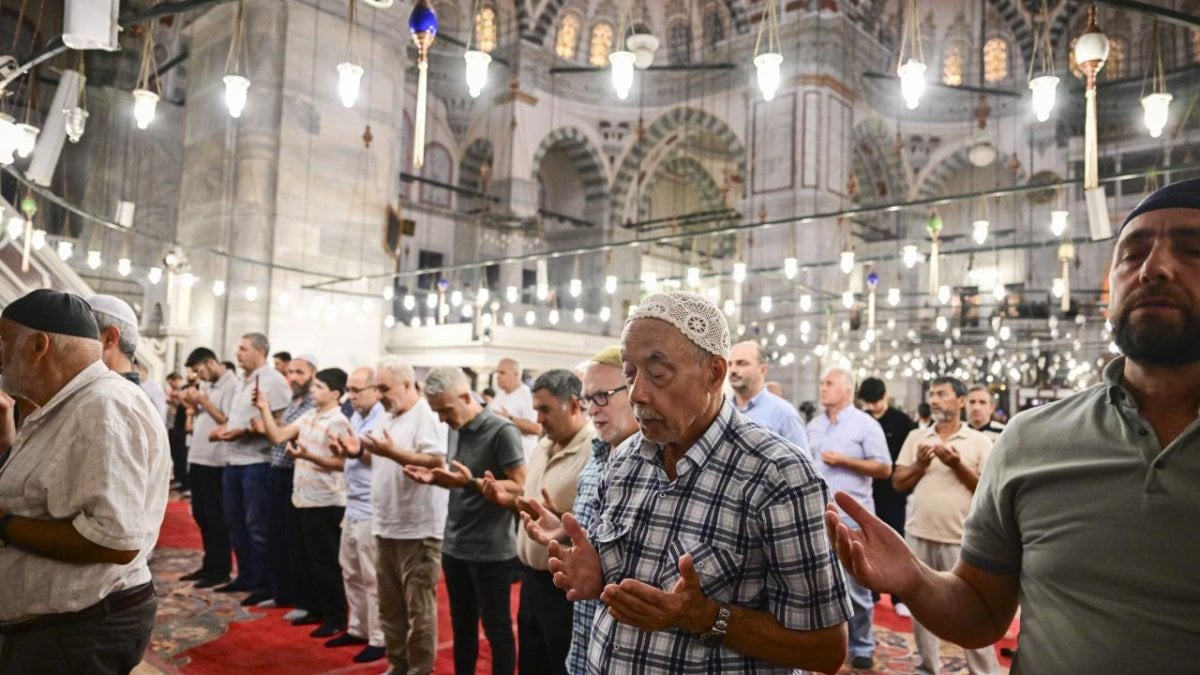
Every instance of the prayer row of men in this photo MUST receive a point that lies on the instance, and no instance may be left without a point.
(664, 527)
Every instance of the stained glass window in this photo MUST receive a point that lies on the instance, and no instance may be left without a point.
(995, 60)
(601, 44)
(568, 36)
(485, 29)
(953, 64)
(680, 49)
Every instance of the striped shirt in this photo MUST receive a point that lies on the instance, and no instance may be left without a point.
(748, 506)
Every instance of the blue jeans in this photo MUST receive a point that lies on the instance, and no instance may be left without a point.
(862, 640)
(246, 508)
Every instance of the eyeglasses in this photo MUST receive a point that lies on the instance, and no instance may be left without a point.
(359, 390)
(382, 388)
(600, 398)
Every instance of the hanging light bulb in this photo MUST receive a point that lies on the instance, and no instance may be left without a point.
(38, 239)
(767, 64)
(389, 321)
(530, 317)
(729, 307)
(349, 81)
(477, 71)
(482, 296)
(912, 82)
(466, 311)
(765, 304)
(1005, 333)
(848, 299)
(124, 266)
(650, 281)
(145, 103)
(943, 294)
(511, 294)
(910, 255)
(893, 296)
(75, 121)
(979, 231)
(251, 293)
(622, 72)
(66, 249)
(610, 284)
(15, 227)
(388, 292)
(847, 261)
(236, 87)
(431, 300)
(605, 314)
(805, 302)
(575, 288)
(1058, 287)
(27, 136)
(693, 276)
(8, 138)
(999, 292)
(456, 298)
(790, 267)
(218, 288)
(409, 301)
(1058, 222)
(941, 324)
(542, 291)
(154, 275)
(1043, 88)
(1156, 106)
(739, 272)
(577, 315)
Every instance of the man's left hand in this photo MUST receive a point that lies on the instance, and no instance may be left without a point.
(650, 609)
(948, 455)
(833, 458)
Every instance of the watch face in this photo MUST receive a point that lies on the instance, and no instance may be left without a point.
(712, 640)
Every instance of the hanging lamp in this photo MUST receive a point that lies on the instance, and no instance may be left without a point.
(423, 24)
(350, 72)
(236, 84)
(477, 62)
(1156, 105)
(622, 60)
(1091, 51)
(145, 99)
(767, 63)
(1045, 86)
(912, 71)
(934, 226)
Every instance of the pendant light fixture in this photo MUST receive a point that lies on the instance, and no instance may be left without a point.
(350, 72)
(934, 226)
(1157, 103)
(477, 62)
(621, 60)
(1045, 85)
(423, 24)
(912, 70)
(145, 99)
(1091, 51)
(767, 63)
(236, 84)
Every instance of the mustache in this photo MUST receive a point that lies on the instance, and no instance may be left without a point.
(646, 414)
(1156, 293)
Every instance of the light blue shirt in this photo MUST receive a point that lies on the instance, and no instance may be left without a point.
(770, 411)
(856, 435)
(358, 472)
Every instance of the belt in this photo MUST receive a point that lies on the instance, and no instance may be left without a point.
(112, 603)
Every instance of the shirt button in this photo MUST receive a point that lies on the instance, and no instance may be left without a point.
(700, 565)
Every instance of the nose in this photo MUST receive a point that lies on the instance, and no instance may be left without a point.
(1159, 264)
(636, 393)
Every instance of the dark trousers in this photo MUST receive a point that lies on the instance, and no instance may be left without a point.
(179, 458)
(111, 644)
(208, 510)
(893, 514)
(321, 541)
(285, 552)
(246, 515)
(543, 624)
(480, 590)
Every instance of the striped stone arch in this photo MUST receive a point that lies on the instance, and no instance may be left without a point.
(879, 168)
(934, 182)
(1018, 23)
(470, 175)
(544, 24)
(692, 172)
(587, 160)
(672, 127)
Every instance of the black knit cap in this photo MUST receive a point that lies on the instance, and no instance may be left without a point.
(334, 378)
(1182, 195)
(52, 311)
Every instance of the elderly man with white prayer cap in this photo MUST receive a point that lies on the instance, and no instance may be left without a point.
(707, 550)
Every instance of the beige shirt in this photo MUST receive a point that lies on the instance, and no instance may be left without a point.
(940, 501)
(558, 475)
(314, 486)
(96, 455)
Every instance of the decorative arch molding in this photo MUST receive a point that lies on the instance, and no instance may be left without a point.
(470, 170)
(672, 127)
(881, 171)
(1018, 24)
(588, 161)
(547, 18)
(948, 162)
(692, 172)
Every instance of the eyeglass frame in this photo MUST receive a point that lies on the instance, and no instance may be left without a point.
(606, 395)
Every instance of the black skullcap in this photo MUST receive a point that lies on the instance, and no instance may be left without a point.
(51, 311)
(334, 378)
(1182, 195)
(872, 389)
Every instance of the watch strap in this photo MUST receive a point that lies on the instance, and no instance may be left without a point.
(4, 521)
(716, 635)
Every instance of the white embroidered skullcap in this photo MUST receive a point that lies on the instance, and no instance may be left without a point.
(694, 315)
(310, 359)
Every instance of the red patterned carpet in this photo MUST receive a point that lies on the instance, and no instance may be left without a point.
(199, 632)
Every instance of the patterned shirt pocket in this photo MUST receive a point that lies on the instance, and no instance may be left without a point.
(719, 569)
(612, 545)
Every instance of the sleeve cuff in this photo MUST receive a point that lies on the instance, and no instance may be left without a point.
(86, 527)
(988, 564)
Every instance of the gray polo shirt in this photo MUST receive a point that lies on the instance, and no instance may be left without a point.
(1102, 524)
(251, 448)
(203, 451)
(476, 529)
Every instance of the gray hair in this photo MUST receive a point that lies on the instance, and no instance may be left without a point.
(259, 342)
(980, 387)
(562, 384)
(847, 376)
(129, 334)
(399, 368)
(446, 380)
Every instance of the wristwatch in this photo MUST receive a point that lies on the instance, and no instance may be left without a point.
(4, 521)
(716, 635)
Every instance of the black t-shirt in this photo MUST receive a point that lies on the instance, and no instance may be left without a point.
(896, 426)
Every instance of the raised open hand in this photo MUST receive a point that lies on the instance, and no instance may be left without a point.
(576, 569)
(541, 524)
(875, 554)
(643, 606)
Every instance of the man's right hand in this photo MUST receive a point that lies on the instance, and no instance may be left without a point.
(874, 555)
(494, 493)
(576, 569)
(542, 526)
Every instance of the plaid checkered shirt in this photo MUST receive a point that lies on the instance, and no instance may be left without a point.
(279, 456)
(749, 507)
(584, 611)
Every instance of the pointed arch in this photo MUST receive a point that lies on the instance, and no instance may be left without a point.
(471, 172)
(588, 161)
(693, 173)
(878, 166)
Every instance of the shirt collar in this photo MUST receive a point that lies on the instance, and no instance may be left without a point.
(1112, 381)
(700, 450)
(600, 449)
(755, 400)
(931, 430)
(82, 379)
(477, 421)
(587, 431)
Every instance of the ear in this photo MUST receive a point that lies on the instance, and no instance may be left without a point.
(109, 336)
(718, 368)
(40, 344)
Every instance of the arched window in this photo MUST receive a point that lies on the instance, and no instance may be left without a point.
(995, 60)
(568, 36)
(600, 44)
(485, 29)
(714, 27)
(680, 43)
(953, 64)
(437, 168)
(1117, 64)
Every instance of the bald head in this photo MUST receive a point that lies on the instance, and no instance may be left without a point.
(362, 391)
(747, 369)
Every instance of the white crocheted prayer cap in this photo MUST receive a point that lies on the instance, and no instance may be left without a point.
(694, 315)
